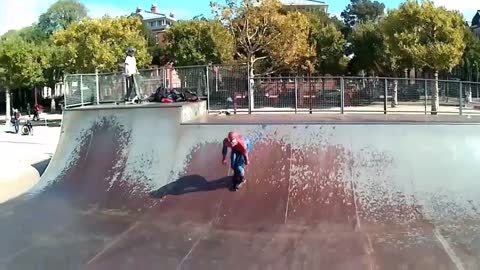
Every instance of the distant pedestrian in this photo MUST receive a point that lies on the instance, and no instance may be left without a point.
(16, 120)
(36, 109)
(28, 109)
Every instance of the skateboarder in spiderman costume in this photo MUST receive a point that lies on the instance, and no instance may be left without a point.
(238, 157)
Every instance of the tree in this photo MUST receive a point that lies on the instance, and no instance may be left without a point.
(470, 62)
(21, 65)
(361, 11)
(154, 49)
(60, 15)
(429, 36)
(372, 55)
(291, 51)
(370, 51)
(263, 31)
(327, 42)
(32, 34)
(199, 42)
(101, 44)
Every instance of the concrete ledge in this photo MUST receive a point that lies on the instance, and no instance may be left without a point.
(193, 110)
(335, 119)
(16, 179)
(147, 105)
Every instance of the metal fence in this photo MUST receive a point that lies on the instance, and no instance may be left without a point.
(228, 87)
(357, 95)
(88, 89)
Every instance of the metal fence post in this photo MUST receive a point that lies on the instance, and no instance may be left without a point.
(164, 78)
(81, 89)
(208, 87)
(426, 96)
(296, 94)
(66, 92)
(97, 86)
(310, 90)
(385, 97)
(461, 98)
(342, 95)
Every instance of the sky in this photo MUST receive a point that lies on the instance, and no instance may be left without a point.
(21, 13)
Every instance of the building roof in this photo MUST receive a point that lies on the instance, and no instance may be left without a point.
(476, 19)
(147, 15)
(303, 3)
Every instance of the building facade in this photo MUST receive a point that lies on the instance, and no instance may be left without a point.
(476, 24)
(306, 5)
(156, 21)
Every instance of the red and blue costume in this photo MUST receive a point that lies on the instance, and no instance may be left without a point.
(239, 155)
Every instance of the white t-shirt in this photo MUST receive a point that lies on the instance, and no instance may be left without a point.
(130, 65)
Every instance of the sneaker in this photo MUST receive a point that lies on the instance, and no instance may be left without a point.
(241, 183)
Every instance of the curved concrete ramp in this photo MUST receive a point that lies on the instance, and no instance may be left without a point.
(131, 187)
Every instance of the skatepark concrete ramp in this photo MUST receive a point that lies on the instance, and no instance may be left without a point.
(143, 187)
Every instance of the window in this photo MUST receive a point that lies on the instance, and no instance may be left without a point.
(152, 24)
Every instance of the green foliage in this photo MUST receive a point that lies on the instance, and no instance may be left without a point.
(265, 32)
(362, 11)
(470, 62)
(330, 48)
(21, 63)
(199, 42)
(32, 34)
(101, 43)
(425, 35)
(329, 45)
(60, 15)
(371, 53)
(291, 50)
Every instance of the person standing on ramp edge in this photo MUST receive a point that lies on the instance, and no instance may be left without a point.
(130, 71)
(238, 156)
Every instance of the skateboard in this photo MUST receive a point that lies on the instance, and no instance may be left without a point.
(135, 100)
(227, 113)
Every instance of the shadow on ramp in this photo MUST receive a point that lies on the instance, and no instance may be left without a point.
(191, 184)
(41, 166)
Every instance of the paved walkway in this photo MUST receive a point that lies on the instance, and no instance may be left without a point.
(46, 119)
(24, 158)
(28, 149)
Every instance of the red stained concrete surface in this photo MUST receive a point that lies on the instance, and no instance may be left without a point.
(299, 209)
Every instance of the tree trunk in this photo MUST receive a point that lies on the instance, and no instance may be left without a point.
(395, 94)
(53, 106)
(435, 100)
(251, 84)
(8, 114)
